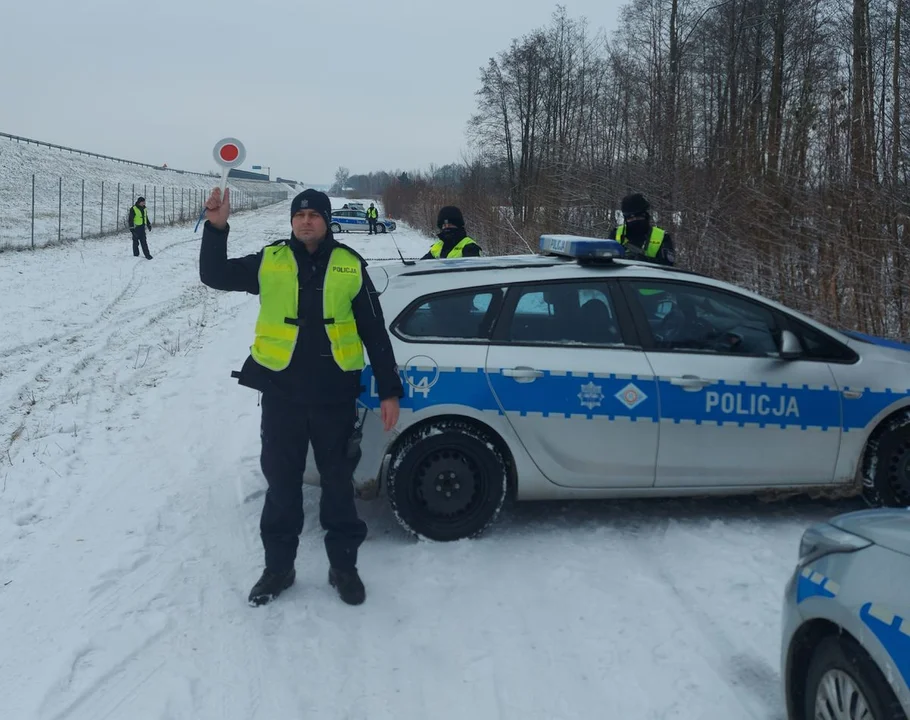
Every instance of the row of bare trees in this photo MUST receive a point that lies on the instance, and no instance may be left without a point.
(770, 136)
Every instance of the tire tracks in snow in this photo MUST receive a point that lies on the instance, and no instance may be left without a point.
(749, 679)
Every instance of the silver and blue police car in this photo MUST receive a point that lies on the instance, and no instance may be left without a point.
(350, 219)
(846, 620)
(578, 373)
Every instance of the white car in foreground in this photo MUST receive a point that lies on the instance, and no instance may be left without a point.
(574, 373)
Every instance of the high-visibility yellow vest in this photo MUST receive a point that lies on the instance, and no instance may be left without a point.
(138, 216)
(654, 241)
(436, 248)
(279, 293)
(372, 213)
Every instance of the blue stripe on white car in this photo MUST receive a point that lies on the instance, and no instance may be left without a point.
(639, 398)
(893, 632)
(814, 584)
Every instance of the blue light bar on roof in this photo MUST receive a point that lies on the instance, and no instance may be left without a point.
(581, 248)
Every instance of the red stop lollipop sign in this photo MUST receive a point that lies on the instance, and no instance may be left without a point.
(228, 153)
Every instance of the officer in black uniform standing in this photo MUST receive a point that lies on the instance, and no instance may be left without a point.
(318, 310)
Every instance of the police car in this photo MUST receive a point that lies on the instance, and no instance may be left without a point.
(353, 220)
(578, 373)
(845, 641)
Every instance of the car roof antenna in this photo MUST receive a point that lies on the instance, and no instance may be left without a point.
(406, 262)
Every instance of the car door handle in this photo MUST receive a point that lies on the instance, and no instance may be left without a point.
(690, 382)
(522, 373)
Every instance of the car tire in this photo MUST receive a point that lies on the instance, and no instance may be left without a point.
(380, 228)
(839, 659)
(335, 228)
(447, 480)
(886, 466)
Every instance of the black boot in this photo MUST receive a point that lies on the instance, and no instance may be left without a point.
(348, 584)
(270, 586)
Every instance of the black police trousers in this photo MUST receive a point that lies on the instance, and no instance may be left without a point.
(287, 427)
(138, 234)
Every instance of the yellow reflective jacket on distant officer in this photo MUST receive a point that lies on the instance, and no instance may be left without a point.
(455, 252)
(654, 241)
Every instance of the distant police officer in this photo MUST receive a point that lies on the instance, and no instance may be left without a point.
(372, 216)
(138, 221)
(640, 238)
(318, 309)
(453, 240)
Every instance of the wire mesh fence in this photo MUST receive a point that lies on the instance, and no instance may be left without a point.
(58, 209)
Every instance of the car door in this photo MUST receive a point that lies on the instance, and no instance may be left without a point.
(359, 220)
(343, 218)
(566, 371)
(732, 412)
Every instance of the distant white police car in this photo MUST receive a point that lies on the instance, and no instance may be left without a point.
(352, 219)
(577, 373)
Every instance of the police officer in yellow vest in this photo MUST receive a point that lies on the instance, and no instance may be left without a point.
(318, 311)
(453, 240)
(641, 239)
(138, 221)
(372, 217)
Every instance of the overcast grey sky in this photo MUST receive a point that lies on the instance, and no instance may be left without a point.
(306, 86)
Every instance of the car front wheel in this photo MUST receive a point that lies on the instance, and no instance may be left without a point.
(335, 228)
(843, 683)
(886, 471)
(447, 481)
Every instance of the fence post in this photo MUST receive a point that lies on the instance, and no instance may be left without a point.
(101, 230)
(155, 204)
(82, 220)
(173, 202)
(181, 204)
(60, 211)
(117, 213)
(33, 211)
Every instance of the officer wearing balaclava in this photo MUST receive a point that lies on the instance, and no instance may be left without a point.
(641, 239)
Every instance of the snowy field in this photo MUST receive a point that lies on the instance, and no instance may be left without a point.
(131, 491)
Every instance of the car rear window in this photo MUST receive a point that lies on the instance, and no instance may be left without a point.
(466, 315)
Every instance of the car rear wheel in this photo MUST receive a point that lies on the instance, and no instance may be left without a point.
(447, 481)
(886, 471)
(335, 228)
(843, 683)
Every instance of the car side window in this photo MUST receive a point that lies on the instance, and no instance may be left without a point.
(571, 313)
(819, 346)
(466, 315)
(686, 317)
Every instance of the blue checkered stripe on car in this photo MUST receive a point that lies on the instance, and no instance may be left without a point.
(639, 398)
(893, 632)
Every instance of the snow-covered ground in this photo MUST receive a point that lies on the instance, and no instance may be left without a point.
(130, 492)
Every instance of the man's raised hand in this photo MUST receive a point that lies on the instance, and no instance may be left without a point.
(218, 209)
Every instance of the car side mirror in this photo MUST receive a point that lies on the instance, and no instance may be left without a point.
(790, 346)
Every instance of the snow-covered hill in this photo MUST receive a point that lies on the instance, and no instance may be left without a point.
(63, 179)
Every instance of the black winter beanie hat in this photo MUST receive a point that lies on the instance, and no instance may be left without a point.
(451, 214)
(313, 200)
(635, 205)
(139, 200)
